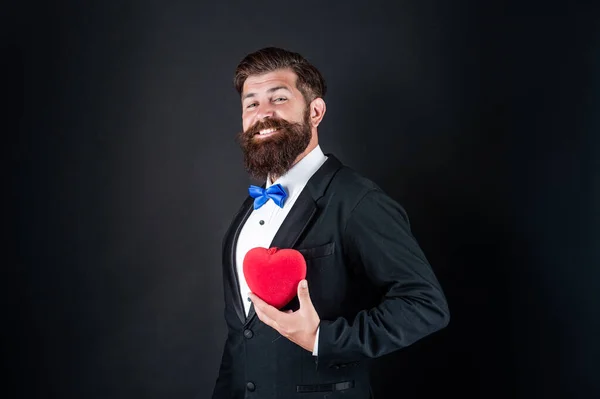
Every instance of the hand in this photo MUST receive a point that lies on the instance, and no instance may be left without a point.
(300, 326)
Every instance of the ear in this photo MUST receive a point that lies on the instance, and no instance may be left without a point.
(317, 111)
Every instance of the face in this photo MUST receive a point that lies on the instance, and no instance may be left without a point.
(276, 123)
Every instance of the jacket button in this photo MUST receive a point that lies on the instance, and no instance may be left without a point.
(248, 334)
(250, 386)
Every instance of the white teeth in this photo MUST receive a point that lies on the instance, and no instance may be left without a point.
(267, 131)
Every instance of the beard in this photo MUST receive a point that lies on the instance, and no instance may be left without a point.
(274, 155)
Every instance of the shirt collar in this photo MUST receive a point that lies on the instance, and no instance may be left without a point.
(299, 174)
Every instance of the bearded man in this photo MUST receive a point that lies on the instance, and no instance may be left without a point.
(369, 289)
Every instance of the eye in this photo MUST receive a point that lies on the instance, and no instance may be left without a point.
(251, 105)
(279, 99)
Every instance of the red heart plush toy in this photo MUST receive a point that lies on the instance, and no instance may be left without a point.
(273, 274)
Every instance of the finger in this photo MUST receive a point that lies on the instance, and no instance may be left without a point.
(256, 300)
(267, 311)
(289, 311)
(265, 319)
(303, 294)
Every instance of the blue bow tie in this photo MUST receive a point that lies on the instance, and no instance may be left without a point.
(276, 192)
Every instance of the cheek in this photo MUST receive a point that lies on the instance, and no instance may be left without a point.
(246, 123)
(297, 115)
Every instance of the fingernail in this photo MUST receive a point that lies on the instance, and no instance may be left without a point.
(303, 284)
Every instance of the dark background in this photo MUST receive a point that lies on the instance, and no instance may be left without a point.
(480, 118)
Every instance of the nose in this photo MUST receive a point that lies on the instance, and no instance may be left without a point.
(265, 111)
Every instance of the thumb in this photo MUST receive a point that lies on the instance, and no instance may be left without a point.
(303, 295)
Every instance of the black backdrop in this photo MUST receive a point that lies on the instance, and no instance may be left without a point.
(481, 118)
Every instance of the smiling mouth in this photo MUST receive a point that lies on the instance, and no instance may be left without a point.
(267, 132)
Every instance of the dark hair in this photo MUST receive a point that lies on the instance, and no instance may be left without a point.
(310, 81)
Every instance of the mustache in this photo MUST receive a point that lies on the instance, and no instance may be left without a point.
(268, 123)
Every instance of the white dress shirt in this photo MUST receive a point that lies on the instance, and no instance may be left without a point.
(263, 223)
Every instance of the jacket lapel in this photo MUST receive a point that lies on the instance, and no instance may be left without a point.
(229, 251)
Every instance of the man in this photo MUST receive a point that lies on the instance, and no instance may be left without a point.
(369, 289)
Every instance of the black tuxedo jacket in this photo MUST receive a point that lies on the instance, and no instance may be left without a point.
(368, 279)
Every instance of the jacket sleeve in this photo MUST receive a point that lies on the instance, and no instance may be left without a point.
(222, 389)
(377, 236)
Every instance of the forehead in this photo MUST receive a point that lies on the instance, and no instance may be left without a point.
(281, 77)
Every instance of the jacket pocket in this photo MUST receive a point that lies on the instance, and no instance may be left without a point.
(318, 252)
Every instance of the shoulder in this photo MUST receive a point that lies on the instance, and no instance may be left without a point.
(363, 195)
(352, 183)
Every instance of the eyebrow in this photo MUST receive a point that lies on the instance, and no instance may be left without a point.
(271, 90)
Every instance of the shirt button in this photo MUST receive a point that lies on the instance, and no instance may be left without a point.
(248, 334)
(250, 386)
(261, 222)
